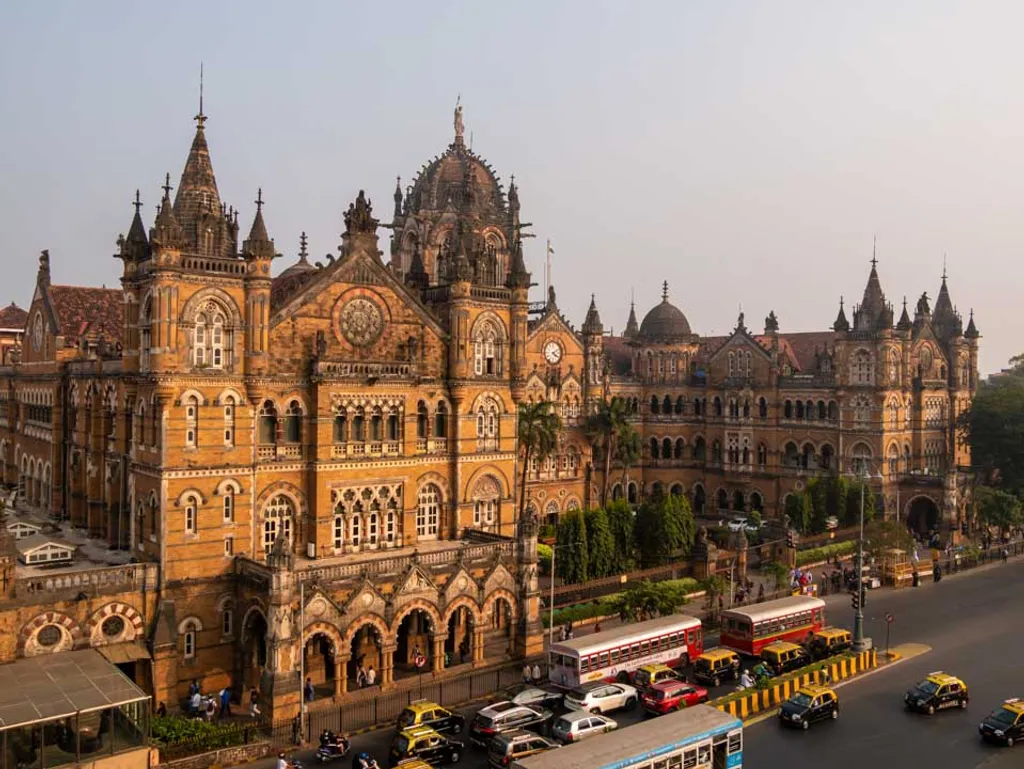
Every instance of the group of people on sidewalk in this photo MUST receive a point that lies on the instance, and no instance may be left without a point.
(209, 707)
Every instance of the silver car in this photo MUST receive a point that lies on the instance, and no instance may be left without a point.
(575, 725)
(599, 697)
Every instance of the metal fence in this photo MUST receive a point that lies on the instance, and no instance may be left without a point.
(384, 709)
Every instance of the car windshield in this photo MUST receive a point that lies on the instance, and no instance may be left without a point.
(1003, 717)
(703, 663)
(406, 718)
(563, 724)
(801, 700)
(485, 721)
(928, 687)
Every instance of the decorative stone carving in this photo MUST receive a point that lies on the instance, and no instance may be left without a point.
(361, 322)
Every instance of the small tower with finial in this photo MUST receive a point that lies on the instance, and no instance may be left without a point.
(258, 252)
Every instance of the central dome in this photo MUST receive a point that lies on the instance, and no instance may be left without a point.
(460, 178)
(665, 322)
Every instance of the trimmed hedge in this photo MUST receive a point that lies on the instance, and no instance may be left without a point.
(606, 605)
(826, 552)
(792, 674)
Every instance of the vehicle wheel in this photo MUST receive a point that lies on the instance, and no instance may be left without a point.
(456, 756)
(596, 711)
(963, 704)
(716, 682)
(673, 710)
(931, 710)
(835, 714)
(1009, 742)
(631, 703)
(805, 725)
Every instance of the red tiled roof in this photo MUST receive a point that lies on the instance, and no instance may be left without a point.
(92, 313)
(619, 354)
(13, 316)
(804, 344)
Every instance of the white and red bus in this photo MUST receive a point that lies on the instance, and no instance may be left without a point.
(749, 629)
(615, 653)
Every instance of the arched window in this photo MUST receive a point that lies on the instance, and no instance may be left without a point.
(654, 448)
(833, 411)
(229, 421)
(655, 405)
(787, 410)
(391, 521)
(191, 422)
(762, 408)
(861, 455)
(894, 414)
(227, 619)
(338, 529)
(791, 455)
(188, 640)
(487, 425)
(666, 448)
(732, 363)
(734, 408)
(722, 499)
(373, 525)
(696, 407)
(340, 427)
(191, 514)
(210, 339)
(666, 405)
(441, 420)
(746, 409)
(268, 423)
(716, 451)
(799, 409)
(862, 411)
(809, 410)
(428, 512)
(680, 405)
(293, 423)
(699, 449)
(487, 350)
(822, 411)
(862, 368)
(807, 457)
(392, 426)
(277, 521)
(354, 527)
(700, 499)
(229, 506)
(762, 455)
(826, 458)
(422, 420)
(894, 459)
(359, 425)
(717, 405)
(145, 341)
(486, 498)
(678, 453)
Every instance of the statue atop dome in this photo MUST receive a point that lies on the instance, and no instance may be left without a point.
(460, 127)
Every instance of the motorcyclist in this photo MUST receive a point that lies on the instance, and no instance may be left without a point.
(746, 680)
(365, 761)
(325, 738)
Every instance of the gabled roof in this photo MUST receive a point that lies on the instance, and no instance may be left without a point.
(90, 313)
(13, 318)
(26, 545)
(805, 343)
(619, 355)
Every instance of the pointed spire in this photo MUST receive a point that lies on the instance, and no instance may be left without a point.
(398, 196)
(136, 245)
(664, 291)
(944, 316)
(43, 273)
(417, 275)
(259, 244)
(841, 323)
(166, 230)
(904, 323)
(972, 331)
(303, 252)
(200, 118)
(518, 277)
(592, 324)
(872, 311)
(771, 323)
(632, 327)
(197, 195)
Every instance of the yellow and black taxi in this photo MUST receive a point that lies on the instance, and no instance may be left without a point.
(715, 666)
(426, 713)
(938, 691)
(427, 745)
(413, 763)
(782, 657)
(1005, 724)
(829, 642)
(516, 745)
(810, 704)
(649, 675)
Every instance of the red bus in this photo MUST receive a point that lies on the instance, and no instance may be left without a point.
(748, 629)
(615, 653)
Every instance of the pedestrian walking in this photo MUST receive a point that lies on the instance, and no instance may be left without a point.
(536, 673)
(308, 689)
(527, 672)
(254, 703)
(211, 710)
(225, 702)
(561, 634)
(161, 711)
(193, 688)
(1006, 555)
(371, 676)
(360, 677)
(760, 593)
(597, 627)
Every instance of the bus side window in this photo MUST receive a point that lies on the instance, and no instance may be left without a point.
(603, 660)
(675, 761)
(654, 645)
(690, 758)
(634, 651)
(735, 742)
(615, 656)
(584, 664)
(645, 648)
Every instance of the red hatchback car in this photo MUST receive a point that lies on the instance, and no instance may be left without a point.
(670, 696)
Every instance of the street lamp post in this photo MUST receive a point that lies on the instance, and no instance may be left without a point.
(860, 642)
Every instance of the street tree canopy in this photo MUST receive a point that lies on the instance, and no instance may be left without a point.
(994, 428)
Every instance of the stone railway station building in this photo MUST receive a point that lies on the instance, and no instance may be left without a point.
(324, 462)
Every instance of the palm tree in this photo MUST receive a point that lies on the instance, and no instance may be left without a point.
(538, 433)
(627, 450)
(604, 427)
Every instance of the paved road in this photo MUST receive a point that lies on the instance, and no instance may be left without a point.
(974, 624)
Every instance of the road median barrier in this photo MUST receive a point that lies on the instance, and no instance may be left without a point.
(750, 702)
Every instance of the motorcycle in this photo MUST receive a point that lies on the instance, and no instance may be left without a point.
(365, 761)
(333, 751)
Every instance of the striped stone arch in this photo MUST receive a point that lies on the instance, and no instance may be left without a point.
(324, 628)
(71, 634)
(426, 607)
(459, 602)
(255, 605)
(373, 620)
(283, 487)
(492, 599)
(133, 626)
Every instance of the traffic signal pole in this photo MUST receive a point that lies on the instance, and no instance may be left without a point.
(860, 643)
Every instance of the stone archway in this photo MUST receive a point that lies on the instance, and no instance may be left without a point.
(253, 647)
(462, 622)
(416, 631)
(923, 515)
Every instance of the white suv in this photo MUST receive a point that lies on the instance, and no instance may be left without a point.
(600, 697)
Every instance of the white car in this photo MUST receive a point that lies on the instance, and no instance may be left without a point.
(575, 725)
(600, 697)
(737, 523)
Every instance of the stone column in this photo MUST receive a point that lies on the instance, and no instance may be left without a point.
(387, 667)
(340, 681)
(438, 644)
(478, 647)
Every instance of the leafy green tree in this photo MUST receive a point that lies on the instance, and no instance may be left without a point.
(664, 527)
(621, 524)
(571, 559)
(628, 450)
(851, 513)
(601, 554)
(647, 600)
(538, 429)
(603, 428)
(998, 508)
(755, 518)
(993, 426)
(778, 572)
(817, 492)
(798, 511)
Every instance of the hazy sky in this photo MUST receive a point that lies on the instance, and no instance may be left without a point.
(747, 152)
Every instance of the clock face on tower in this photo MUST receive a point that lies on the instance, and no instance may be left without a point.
(552, 352)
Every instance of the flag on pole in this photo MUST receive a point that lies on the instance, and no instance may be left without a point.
(550, 249)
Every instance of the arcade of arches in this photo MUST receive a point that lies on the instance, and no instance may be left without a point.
(415, 644)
